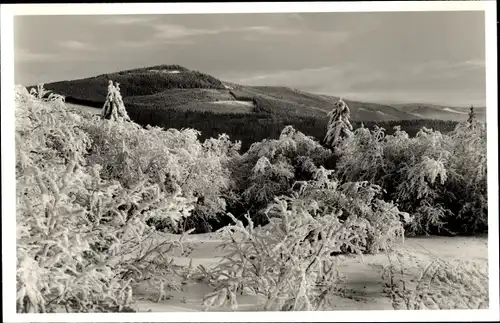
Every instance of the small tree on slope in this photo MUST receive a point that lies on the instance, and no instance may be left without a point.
(114, 108)
(472, 115)
(339, 126)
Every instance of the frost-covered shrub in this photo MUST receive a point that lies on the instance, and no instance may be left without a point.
(289, 261)
(467, 183)
(79, 236)
(380, 224)
(274, 263)
(361, 156)
(270, 167)
(438, 284)
(171, 158)
(438, 178)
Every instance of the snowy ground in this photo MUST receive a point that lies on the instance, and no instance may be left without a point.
(365, 288)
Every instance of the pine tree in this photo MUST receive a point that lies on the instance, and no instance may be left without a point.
(114, 108)
(472, 115)
(339, 125)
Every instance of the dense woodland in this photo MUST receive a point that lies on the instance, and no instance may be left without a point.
(250, 128)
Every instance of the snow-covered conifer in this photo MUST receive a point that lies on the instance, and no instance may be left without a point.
(114, 108)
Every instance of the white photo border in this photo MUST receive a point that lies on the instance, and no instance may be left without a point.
(8, 157)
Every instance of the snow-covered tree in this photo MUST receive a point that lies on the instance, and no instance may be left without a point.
(339, 125)
(114, 108)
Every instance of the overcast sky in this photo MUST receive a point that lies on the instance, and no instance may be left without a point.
(432, 57)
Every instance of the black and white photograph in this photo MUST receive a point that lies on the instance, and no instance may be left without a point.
(302, 158)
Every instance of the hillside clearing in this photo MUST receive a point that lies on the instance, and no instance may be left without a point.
(234, 102)
(166, 71)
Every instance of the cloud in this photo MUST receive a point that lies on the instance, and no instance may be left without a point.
(23, 55)
(395, 84)
(145, 43)
(171, 31)
(75, 45)
(437, 67)
(296, 16)
(481, 63)
(417, 96)
(337, 36)
(128, 20)
(280, 76)
(439, 75)
(167, 31)
(344, 75)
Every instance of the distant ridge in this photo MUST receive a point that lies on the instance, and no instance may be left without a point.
(434, 111)
(177, 87)
(173, 96)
